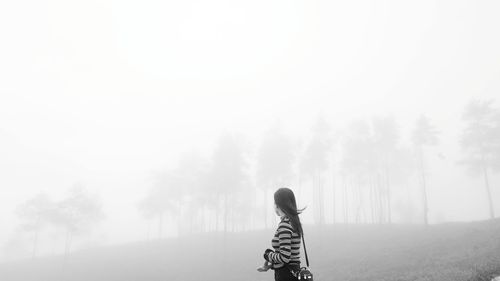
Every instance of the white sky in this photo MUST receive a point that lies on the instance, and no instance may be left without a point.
(104, 92)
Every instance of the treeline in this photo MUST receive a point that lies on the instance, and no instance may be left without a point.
(231, 189)
(365, 162)
(73, 215)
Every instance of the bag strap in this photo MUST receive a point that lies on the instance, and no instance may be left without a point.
(305, 251)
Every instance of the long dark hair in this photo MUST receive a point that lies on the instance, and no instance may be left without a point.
(285, 200)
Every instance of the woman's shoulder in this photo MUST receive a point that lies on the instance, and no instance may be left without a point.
(285, 224)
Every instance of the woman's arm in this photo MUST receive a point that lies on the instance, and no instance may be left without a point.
(284, 252)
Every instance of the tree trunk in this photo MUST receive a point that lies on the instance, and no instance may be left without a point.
(266, 202)
(160, 224)
(203, 219)
(35, 242)
(314, 199)
(379, 198)
(488, 192)
(254, 205)
(224, 242)
(362, 203)
(321, 201)
(190, 217)
(372, 201)
(424, 189)
(67, 247)
(388, 185)
(148, 233)
(358, 209)
(345, 205)
(217, 213)
(225, 212)
(333, 196)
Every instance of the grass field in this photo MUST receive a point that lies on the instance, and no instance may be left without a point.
(453, 251)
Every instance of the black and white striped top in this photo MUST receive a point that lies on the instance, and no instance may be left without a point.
(286, 244)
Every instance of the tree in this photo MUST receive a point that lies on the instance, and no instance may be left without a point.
(191, 176)
(274, 162)
(385, 138)
(315, 161)
(424, 135)
(76, 213)
(334, 157)
(359, 168)
(228, 173)
(480, 141)
(35, 214)
(163, 197)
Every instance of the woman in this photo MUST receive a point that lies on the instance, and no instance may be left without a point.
(285, 255)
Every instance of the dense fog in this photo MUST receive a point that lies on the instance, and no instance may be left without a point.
(128, 121)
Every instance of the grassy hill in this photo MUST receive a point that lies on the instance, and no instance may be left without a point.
(452, 251)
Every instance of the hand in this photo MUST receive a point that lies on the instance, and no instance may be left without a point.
(266, 254)
(265, 267)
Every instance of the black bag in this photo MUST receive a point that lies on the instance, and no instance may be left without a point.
(303, 273)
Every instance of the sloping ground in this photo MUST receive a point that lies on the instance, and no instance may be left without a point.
(458, 251)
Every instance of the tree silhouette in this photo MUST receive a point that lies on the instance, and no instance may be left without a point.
(424, 135)
(385, 138)
(76, 213)
(274, 162)
(402, 169)
(35, 215)
(191, 175)
(228, 171)
(481, 141)
(334, 158)
(163, 197)
(315, 161)
(358, 166)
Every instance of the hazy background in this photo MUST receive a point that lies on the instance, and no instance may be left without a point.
(108, 94)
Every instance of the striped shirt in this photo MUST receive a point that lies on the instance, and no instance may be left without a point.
(286, 244)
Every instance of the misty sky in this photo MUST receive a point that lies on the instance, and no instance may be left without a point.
(107, 92)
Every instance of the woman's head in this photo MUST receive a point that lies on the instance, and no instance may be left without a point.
(285, 201)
